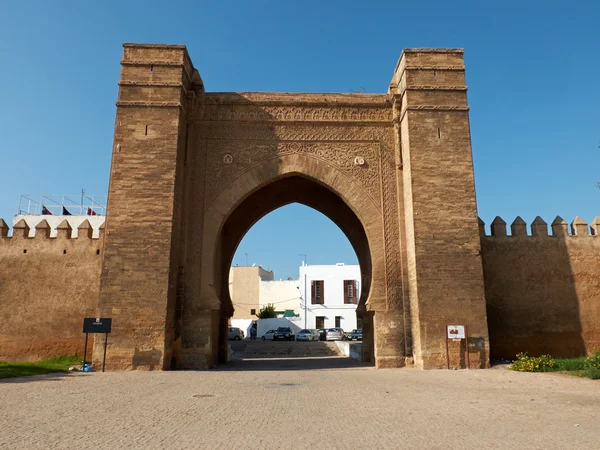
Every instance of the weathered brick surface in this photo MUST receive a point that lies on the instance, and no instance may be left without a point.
(245, 154)
(444, 265)
(140, 267)
(542, 293)
(45, 293)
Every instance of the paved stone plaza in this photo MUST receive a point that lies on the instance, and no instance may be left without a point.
(309, 403)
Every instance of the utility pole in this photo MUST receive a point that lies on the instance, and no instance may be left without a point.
(304, 264)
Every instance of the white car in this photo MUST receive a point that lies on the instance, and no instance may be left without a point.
(268, 336)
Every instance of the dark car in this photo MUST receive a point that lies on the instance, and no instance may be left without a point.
(356, 335)
(322, 334)
(284, 334)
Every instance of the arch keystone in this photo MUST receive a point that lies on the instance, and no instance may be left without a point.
(498, 227)
(518, 227)
(560, 227)
(579, 227)
(539, 227)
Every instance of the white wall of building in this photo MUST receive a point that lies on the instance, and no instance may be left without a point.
(333, 277)
(264, 325)
(283, 294)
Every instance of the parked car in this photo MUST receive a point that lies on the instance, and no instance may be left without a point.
(235, 333)
(284, 334)
(308, 335)
(322, 334)
(268, 336)
(335, 334)
(356, 335)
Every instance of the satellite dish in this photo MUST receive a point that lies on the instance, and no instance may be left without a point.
(253, 264)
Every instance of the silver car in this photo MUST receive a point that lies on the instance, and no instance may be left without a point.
(334, 334)
(268, 336)
(235, 333)
(308, 335)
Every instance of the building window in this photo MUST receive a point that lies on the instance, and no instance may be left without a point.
(350, 296)
(320, 324)
(317, 292)
(253, 312)
(338, 321)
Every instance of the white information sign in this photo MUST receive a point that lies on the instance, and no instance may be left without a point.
(456, 331)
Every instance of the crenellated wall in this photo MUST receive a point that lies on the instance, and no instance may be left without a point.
(542, 290)
(47, 286)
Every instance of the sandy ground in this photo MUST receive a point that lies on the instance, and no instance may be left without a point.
(329, 403)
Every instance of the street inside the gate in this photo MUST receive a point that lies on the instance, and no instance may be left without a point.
(273, 402)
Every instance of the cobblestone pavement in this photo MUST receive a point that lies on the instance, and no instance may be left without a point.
(311, 403)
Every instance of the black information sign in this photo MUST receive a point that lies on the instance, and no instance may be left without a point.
(96, 325)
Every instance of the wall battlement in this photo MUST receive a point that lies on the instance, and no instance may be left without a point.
(539, 228)
(49, 281)
(542, 289)
(39, 229)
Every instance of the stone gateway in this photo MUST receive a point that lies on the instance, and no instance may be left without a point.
(193, 170)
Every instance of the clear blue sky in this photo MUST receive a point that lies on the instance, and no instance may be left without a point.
(533, 70)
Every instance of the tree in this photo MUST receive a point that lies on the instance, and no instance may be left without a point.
(267, 312)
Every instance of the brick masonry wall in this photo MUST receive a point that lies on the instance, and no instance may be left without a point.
(542, 293)
(46, 292)
(443, 261)
(139, 270)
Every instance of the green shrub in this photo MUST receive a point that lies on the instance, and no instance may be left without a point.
(569, 364)
(592, 366)
(524, 363)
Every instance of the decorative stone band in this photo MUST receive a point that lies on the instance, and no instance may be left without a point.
(159, 63)
(539, 228)
(284, 113)
(434, 67)
(151, 83)
(400, 116)
(149, 104)
(133, 62)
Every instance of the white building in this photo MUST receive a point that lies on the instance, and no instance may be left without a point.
(332, 294)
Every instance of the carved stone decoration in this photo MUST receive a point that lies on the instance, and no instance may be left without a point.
(245, 156)
(390, 224)
(252, 112)
(290, 132)
(359, 161)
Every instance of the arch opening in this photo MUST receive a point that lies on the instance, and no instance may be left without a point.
(284, 191)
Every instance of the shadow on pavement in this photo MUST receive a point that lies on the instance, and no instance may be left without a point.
(31, 378)
(289, 363)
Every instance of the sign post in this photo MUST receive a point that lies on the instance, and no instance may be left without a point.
(457, 333)
(96, 325)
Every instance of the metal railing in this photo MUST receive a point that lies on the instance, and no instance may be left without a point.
(62, 204)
